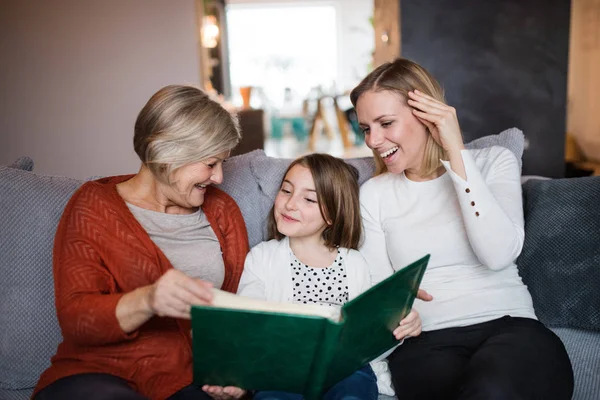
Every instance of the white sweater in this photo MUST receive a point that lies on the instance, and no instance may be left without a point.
(268, 276)
(473, 230)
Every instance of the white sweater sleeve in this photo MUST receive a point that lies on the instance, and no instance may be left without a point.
(252, 283)
(492, 208)
(359, 276)
(373, 248)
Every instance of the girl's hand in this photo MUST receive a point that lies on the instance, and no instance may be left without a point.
(224, 393)
(409, 326)
(173, 294)
(439, 118)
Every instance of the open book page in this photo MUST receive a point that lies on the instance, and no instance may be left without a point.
(224, 299)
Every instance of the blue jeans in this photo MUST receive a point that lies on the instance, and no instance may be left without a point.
(361, 385)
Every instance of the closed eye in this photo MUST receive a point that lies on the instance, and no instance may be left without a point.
(310, 200)
(285, 191)
(212, 164)
(386, 124)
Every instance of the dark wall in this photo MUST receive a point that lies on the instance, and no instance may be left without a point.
(502, 63)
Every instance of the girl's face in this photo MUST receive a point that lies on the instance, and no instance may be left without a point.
(189, 182)
(391, 130)
(297, 211)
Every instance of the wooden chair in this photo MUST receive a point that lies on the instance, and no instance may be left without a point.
(319, 116)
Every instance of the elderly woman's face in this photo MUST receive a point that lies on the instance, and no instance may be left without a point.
(190, 181)
(391, 130)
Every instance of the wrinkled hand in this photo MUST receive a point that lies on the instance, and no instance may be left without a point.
(224, 393)
(409, 326)
(439, 118)
(173, 294)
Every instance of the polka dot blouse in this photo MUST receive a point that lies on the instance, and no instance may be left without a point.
(323, 286)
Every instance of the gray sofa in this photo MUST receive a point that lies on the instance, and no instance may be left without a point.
(560, 261)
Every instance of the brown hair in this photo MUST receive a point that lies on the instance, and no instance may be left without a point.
(336, 184)
(402, 76)
(182, 125)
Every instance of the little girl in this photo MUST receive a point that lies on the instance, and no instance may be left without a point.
(315, 227)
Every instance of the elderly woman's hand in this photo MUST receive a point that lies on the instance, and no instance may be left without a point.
(409, 326)
(224, 393)
(174, 293)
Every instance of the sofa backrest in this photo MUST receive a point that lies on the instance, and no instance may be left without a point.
(23, 163)
(31, 207)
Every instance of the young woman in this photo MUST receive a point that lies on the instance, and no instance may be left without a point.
(481, 338)
(315, 226)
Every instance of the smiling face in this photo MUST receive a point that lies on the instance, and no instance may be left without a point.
(188, 183)
(297, 211)
(391, 130)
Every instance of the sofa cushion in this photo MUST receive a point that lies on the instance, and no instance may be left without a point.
(30, 331)
(240, 184)
(512, 139)
(560, 261)
(21, 394)
(583, 348)
(24, 163)
(268, 172)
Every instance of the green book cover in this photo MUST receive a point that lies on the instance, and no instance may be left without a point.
(300, 353)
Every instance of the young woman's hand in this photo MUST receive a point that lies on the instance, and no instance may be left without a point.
(409, 326)
(440, 118)
(423, 295)
(173, 294)
(224, 393)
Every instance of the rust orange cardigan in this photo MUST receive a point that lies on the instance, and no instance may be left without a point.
(100, 253)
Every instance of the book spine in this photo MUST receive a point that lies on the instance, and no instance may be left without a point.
(325, 353)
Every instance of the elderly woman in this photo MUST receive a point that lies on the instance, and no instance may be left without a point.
(132, 254)
(481, 338)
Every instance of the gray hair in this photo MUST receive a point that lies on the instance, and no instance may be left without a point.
(182, 125)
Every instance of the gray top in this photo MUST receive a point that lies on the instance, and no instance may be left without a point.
(187, 240)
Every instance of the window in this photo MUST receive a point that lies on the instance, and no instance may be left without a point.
(277, 46)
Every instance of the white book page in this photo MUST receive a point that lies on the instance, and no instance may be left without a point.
(224, 299)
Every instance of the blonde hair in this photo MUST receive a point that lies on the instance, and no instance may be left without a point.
(400, 77)
(182, 125)
(336, 185)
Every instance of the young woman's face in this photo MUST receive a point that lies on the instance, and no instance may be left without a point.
(189, 182)
(391, 130)
(297, 211)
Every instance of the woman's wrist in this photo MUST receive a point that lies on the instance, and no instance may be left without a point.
(134, 309)
(454, 151)
(456, 161)
(146, 300)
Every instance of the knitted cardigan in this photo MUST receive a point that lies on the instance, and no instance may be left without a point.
(101, 252)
